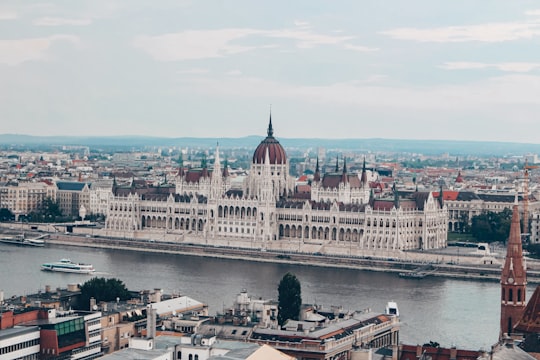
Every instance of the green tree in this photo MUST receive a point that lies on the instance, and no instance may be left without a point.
(464, 226)
(49, 211)
(6, 215)
(490, 226)
(290, 298)
(102, 289)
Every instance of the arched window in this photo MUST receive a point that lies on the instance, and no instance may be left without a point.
(510, 295)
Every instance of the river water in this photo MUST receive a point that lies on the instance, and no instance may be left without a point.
(451, 312)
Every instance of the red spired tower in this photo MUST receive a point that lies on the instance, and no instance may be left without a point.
(513, 279)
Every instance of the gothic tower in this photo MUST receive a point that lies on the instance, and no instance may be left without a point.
(513, 279)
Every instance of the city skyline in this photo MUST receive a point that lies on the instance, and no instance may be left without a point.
(420, 70)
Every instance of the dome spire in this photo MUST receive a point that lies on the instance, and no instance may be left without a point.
(270, 129)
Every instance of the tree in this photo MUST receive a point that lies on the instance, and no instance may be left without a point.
(490, 226)
(6, 215)
(102, 289)
(49, 211)
(290, 298)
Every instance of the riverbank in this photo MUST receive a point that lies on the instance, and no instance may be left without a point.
(490, 272)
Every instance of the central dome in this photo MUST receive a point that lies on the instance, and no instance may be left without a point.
(276, 153)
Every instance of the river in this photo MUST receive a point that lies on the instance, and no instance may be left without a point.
(449, 311)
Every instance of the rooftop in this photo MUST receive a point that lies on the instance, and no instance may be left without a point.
(17, 331)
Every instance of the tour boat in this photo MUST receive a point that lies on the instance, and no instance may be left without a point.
(66, 265)
(22, 241)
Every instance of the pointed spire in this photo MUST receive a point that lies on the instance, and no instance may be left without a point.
(217, 162)
(270, 129)
(344, 177)
(513, 278)
(363, 178)
(441, 196)
(317, 175)
(337, 164)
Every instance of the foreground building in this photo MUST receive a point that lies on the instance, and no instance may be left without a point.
(202, 206)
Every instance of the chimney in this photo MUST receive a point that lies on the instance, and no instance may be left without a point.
(92, 304)
(453, 353)
(151, 319)
(418, 350)
(73, 287)
(47, 288)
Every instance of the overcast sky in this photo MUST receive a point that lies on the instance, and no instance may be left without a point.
(414, 69)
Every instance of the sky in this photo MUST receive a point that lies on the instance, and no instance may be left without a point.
(415, 69)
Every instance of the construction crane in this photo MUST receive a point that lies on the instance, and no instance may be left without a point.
(526, 198)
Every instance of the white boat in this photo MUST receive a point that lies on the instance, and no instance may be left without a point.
(22, 241)
(66, 265)
(392, 308)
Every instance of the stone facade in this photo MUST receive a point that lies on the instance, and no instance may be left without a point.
(340, 212)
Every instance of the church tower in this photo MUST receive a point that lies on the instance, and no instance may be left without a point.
(513, 279)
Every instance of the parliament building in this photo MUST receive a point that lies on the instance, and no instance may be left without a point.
(266, 212)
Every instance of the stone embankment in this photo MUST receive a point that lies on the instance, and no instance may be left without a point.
(451, 270)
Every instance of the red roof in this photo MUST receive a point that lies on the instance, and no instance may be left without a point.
(276, 153)
(411, 352)
(447, 194)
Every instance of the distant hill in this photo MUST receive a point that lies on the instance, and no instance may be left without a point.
(452, 147)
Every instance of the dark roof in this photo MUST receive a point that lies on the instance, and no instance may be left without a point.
(530, 322)
(276, 153)
(195, 175)
(499, 198)
(70, 185)
(332, 180)
(146, 191)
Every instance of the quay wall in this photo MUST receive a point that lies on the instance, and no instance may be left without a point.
(460, 271)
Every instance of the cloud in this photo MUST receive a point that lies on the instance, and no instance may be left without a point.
(494, 32)
(194, 44)
(203, 44)
(233, 73)
(300, 23)
(509, 67)
(359, 48)
(533, 12)
(50, 21)
(194, 71)
(508, 90)
(14, 52)
(8, 15)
